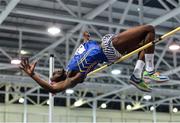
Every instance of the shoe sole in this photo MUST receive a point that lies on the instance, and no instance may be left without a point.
(158, 81)
(139, 87)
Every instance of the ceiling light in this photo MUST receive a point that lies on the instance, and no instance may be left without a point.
(116, 72)
(47, 102)
(21, 100)
(175, 110)
(23, 52)
(138, 9)
(78, 103)
(15, 61)
(147, 97)
(54, 30)
(103, 105)
(128, 107)
(151, 108)
(46, 54)
(69, 91)
(174, 47)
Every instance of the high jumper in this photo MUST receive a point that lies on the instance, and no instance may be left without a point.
(113, 47)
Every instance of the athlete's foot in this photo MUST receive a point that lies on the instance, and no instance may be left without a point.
(140, 84)
(156, 76)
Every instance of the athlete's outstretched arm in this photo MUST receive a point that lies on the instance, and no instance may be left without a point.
(56, 87)
(59, 86)
(67, 83)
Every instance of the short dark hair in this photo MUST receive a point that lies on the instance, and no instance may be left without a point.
(58, 75)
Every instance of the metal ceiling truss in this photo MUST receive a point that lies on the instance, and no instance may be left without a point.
(136, 101)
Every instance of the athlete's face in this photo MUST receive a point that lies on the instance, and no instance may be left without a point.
(58, 76)
(86, 36)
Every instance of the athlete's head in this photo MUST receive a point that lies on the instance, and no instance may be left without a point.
(86, 36)
(58, 75)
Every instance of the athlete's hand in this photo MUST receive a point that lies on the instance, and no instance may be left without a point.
(27, 67)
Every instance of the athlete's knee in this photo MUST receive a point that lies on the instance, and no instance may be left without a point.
(150, 28)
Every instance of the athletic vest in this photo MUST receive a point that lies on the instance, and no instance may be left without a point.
(86, 58)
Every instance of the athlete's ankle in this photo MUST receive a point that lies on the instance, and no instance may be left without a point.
(135, 79)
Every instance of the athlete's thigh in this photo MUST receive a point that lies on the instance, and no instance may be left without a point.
(130, 39)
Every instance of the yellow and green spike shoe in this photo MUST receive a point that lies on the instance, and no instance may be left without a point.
(140, 84)
(156, 76)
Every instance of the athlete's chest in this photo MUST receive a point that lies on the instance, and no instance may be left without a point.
(85, 58)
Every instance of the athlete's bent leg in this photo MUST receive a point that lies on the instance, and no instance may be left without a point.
(130, 40)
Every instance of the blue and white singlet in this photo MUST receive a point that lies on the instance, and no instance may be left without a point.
(86, 58)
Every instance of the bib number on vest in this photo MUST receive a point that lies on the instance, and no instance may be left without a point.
(80, 50)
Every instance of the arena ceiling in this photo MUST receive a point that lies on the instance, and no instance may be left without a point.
(23, 26)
